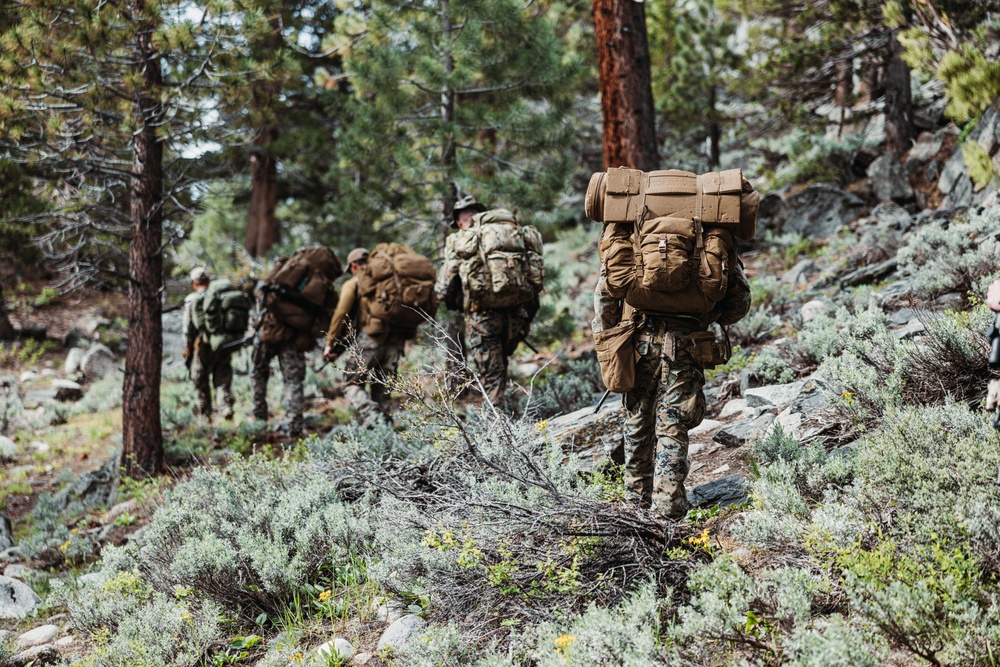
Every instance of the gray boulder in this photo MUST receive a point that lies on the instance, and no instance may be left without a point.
(912, 329)
(801, 272)
(73, 359)
(43, 634)
(777, 395)
(402, 632)
(731, 490)
(819, 210)
(810, 310)
(955, 183)
(94, 488)
(592, 435)
(97, 361)
(17, 571)
(339, 648)
(46, 654)
(889, 179)
(67, 390)
(742, 432)
(16, 599)
(6, 533)
(890, 215)
(8, 448)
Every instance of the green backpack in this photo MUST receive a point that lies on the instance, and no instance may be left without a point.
(222, 314)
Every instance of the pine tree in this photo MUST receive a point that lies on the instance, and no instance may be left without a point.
(106, 97)
(453, 96)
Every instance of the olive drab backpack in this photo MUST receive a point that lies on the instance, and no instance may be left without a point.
(669, 245)
(501, 261)
(221, 313)
(397, 286)
(299, 297)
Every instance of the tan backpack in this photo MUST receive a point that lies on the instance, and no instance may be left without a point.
(397, 286)
(501, 261)
(299, 297)
(671, 263)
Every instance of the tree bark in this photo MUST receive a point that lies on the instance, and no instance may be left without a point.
(7, 331)
(142, 435)
(627, 112)
(899, 129)
(262, 226)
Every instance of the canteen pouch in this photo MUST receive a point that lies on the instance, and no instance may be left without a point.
(706, 350)
(616, 355)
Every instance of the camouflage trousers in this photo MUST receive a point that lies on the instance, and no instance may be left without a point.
(371, 363)
(293, 372)
(667, 400)
(491, 336)
(209, 369)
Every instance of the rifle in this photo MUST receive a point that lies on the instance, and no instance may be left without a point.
(600, 403)
(993, 334)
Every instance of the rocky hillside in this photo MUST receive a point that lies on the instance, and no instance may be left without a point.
(844, 480)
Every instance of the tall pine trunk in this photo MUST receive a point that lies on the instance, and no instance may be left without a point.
(142, 435)
(629, 134)
(899, 129)
(7, 331)
(262, 225)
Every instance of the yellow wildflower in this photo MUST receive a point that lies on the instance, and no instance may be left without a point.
(700, 541)
(562, 641)
(65, 545)
(542, 425)
(325, 595)
(848, 397)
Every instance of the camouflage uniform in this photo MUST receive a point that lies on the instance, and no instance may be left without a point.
(293, 371)
(491, 334)
(668, 397)
(208, 367)
(373, 359)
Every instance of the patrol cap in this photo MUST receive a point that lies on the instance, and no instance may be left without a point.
(199, 274)
(357, 255)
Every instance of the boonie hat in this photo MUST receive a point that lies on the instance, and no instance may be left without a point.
(465, 202)
(198, 274)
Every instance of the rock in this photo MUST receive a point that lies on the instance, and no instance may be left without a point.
(810, 310)
(402, 632)
(926, 146)
(89, 579)
(47, 654)
(11, 554)
(891, 215)
(812, 398)
(589, 434)
(362, 659)
(17, 571)
(844, 450)
(869, 274)
(527, 370)
(27, 376)
(777, 395)
(721, 469)
(900, 317)
(770, 212)
(955, 183)
(705, 427)
(790, 422)
(913, 328)
(889, 180)
(97, 361)
(6, 533)
(740, 433)
(731, 490)
(128, 506)
(65, 642)
(85, 330)
(8, 448)
(94, 488)
(16, 599)
(73, 359)
(338, 648)
(800, 273)
(736, 406)
(950, 301)
(43, 634)
(40, 396)
(819, 211)
(40, 447)
(390, 611)
(67, 390)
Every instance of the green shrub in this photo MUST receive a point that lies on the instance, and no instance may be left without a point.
(50, 540)
(558, 392)
(768, 366)
(963, 255)
(130, 623)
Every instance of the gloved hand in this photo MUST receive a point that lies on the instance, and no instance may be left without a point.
(993, 395)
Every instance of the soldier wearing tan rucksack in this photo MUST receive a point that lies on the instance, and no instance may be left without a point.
(493, 271)
(670, 268)
(390, 293)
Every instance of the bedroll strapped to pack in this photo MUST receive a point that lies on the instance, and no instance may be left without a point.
(723, 199)
(502, 264)
(299, 297)
(222, 313)
(397, 285)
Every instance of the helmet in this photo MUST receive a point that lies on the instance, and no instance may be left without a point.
(468, 201)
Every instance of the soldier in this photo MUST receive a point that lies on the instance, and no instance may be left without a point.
(668, 398)
(207, 367)
(292, 361)
(378, 354)
(492, 332)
